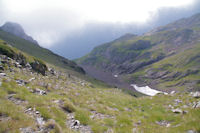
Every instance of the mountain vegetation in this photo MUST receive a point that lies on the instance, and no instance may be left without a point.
(41, 92)
(166, 58)
(39, 52)
(54, 101)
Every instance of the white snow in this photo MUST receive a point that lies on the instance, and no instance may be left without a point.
(116, 76)
(147, 90)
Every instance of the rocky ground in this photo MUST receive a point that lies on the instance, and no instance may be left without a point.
(56, 101)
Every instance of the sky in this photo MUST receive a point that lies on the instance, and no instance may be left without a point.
(72, 28)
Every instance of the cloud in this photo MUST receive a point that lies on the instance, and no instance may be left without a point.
(73, 27)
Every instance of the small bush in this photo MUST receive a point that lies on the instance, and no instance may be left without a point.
(82, 116)
(69, 107)
(44, 112)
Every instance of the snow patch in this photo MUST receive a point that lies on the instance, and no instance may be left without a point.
(147, 90)
(115, 75)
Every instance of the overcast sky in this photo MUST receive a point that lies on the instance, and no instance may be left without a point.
(64, 24)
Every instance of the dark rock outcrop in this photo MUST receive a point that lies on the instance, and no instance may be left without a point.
(39, 67)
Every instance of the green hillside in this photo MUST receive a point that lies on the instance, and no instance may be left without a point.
(166, 58)
(39, 52)
(31, 102)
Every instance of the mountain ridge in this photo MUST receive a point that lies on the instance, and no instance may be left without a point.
(17, 30)
(39, 52)
(138, 59)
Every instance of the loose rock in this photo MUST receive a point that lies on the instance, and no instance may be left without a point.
(163, 123)
(196, 105)
(40, 92)
(177, 111)
(195, 94)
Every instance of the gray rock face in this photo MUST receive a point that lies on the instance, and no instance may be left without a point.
(17, 30)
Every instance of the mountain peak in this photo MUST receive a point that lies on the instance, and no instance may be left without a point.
(17, 30)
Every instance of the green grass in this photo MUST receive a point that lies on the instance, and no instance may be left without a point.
(121, 111)
(39, 52)
(107, 101)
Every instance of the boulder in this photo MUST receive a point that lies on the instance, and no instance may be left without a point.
(195, 94)
(28, 66)
(52, 71)
(177, 111)
(2, 74)
(39, 67)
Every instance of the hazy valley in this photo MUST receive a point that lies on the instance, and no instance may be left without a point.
(146, 83)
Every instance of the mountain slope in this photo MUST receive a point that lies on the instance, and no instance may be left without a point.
(17, 30)
(58, 103)
(164, 58)
(39, 52)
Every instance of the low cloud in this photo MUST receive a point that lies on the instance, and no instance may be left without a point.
(68, 32)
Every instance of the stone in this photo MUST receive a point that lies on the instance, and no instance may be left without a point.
(195, 94)
(26, 130)
(172, 92)
(76, 123)
(2, 74)
(52, 71)
(170, 106)
(17, 64)
(20, 82)
(28, 66)
(40, 121)
(37, 112)
(177, 111)
(163, 123)
(40, 92)
(31, 79)
(177, 101)
(28, 110)
(196, 105)
(191, 131)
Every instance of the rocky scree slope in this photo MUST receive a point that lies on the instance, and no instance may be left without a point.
(35, 50)
(56, 102)
(164, 58)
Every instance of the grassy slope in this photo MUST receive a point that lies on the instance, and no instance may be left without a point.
(178, 47)
(124, 111)
(39, 52)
